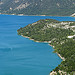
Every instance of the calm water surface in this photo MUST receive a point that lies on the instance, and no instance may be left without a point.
(21, 56)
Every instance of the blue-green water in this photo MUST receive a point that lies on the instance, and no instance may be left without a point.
(21, 56)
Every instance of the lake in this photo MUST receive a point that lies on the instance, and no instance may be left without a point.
(21, 56)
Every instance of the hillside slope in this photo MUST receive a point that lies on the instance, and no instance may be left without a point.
(38, 7)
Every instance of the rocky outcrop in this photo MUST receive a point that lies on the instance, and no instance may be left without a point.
(73, 15)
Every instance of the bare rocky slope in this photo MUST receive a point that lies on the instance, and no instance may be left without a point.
(38, 7)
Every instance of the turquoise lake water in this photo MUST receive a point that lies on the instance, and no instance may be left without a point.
(21, 56)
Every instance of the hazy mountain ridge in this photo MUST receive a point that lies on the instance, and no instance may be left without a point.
(38, 7)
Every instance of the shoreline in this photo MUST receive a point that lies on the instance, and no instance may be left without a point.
(63, 59)
(45, 42)
(60, 56)
(36, 15)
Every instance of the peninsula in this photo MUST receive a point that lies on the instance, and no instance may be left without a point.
(60, 35)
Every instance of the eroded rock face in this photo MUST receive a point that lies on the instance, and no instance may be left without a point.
(16, 1)
(73, 15)
(21, 6)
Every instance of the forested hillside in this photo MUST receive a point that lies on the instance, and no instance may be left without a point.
(38, 7)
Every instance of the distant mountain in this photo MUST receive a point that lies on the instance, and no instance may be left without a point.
(38, 7)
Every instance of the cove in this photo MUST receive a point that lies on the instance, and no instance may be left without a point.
(21, 56)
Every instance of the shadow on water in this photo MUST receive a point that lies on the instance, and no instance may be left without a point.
(8, 74)
(5, 49)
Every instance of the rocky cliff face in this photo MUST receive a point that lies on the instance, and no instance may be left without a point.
(38, 7)
(73, 15)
